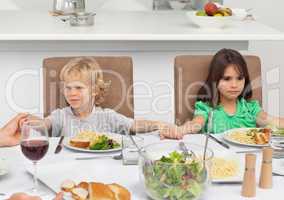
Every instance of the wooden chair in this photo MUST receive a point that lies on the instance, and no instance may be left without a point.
(190, 69)
(118, 70)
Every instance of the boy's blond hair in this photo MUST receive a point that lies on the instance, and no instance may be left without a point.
(86, 69)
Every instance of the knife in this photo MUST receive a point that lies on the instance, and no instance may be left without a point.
(250, 151)
(59, 145)
(219, 141)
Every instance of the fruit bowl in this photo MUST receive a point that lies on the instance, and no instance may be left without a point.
(210, 21)
(167, 173)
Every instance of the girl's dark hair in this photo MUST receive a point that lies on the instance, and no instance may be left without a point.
(221, 60)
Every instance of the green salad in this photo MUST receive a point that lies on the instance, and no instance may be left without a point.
(104, 143)
(175, 177)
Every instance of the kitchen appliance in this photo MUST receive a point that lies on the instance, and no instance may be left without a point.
(80, 19)
(199, 4)
(66, 7)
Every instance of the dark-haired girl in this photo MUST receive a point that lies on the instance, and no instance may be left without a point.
(227, 94)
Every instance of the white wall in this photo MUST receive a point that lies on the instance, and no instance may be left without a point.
(91, 5)
(271, 53)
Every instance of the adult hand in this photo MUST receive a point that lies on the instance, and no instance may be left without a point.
(10, 133)
(24, 196)
(59, 196)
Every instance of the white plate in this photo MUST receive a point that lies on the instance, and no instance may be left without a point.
(239, 159)
(105, 171)
(278, 166)
(116, 137)
(3, 167)
(244, 130)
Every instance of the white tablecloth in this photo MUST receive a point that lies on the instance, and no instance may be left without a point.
(107, 170)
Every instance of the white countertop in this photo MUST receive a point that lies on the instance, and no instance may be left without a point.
(127, 26)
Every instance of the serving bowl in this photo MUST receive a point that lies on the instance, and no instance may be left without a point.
(210, 21)
(167, 173)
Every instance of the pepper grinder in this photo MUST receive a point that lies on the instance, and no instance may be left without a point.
(249, 183)
(265, 180)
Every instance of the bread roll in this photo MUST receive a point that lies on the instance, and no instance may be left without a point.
(67, 185)
(80, 143)
(84, 185)
(100, 191)
(96, 191)
(79, 193)
(121, 193)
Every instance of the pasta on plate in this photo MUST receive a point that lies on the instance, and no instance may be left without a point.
(224, 168)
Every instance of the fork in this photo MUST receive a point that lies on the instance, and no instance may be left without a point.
(186, 151)
(4, 196)
(115, 157)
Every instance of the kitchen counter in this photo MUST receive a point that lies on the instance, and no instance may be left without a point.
(152, 39)
(127, 26)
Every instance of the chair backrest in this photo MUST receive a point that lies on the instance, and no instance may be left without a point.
(191, 69)
(118, 70)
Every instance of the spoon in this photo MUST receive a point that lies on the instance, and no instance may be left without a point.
(136, 145)
(209, 126)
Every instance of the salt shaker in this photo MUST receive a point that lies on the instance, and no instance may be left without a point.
(265, 180)
(249, 183)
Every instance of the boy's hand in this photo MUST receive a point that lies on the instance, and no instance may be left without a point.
(29, 117)
(171, 132)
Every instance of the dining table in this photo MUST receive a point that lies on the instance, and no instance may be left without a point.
(53, 169)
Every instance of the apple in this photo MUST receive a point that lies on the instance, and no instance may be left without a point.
(210, 8)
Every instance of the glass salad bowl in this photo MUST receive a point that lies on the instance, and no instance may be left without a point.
(166, 172)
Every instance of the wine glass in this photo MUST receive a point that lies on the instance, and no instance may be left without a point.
(34, 145)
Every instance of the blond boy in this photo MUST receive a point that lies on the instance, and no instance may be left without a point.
(84, 90)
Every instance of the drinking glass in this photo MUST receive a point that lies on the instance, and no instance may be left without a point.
(34, 145)
(130, 153)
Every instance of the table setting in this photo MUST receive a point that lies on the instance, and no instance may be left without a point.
(112, 167)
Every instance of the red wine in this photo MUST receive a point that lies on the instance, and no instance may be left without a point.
(34, 149)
